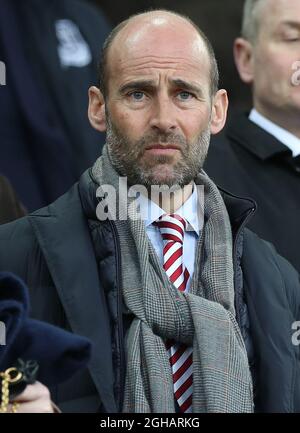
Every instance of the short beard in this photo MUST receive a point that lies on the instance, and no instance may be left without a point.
(125, 156)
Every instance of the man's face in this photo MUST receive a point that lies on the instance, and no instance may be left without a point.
(275, 51)
(158, 106)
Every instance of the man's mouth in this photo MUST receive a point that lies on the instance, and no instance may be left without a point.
(162, 149)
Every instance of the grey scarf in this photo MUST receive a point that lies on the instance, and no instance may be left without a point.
(204, 318)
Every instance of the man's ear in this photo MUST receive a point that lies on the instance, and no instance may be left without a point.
(243, 56)
(96, 110)
(219, 111)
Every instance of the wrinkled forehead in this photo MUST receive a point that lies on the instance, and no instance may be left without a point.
(159, 38)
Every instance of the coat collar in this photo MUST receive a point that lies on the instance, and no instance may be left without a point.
(238, 208)
(62, 232)
(257, 141)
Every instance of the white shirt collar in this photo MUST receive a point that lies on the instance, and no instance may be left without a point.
(285, 137)
(150, 211)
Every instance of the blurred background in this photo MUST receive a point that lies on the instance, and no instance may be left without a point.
(51, 50)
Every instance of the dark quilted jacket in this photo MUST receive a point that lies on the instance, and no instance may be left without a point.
(72, 265)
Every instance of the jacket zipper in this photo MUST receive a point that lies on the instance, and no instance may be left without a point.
(119, 315)
(241, 227)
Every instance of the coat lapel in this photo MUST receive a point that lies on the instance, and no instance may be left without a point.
(62, 232)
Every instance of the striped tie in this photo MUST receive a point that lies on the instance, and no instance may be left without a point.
(172, 229)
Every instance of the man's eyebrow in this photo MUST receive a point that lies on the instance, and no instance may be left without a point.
(151, 84)
(137, 84)
(292, 24)
(187, 86)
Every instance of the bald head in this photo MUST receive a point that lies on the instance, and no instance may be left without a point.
(143, 32)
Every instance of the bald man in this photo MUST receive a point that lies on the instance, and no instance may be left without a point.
(187, 309)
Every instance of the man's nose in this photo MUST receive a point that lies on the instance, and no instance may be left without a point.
(163, 116)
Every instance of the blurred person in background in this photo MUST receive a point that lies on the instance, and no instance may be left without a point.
(258, 156)
(50, 49)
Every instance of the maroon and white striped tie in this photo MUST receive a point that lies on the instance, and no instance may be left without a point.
(172, 229)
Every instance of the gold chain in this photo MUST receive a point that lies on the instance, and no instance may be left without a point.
(11, 375)
(14, 407)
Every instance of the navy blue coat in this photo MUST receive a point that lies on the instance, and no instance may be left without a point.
(72, 265)
(58, 353)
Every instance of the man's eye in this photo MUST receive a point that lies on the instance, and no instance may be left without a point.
(292, 37)
(137, 95)
(184, 96)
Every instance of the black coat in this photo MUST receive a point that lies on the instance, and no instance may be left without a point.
(77, 287)
(250, 162)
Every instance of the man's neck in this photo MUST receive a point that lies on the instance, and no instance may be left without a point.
(286, 120)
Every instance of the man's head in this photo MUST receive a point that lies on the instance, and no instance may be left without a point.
(158, 101)
(266, 53)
